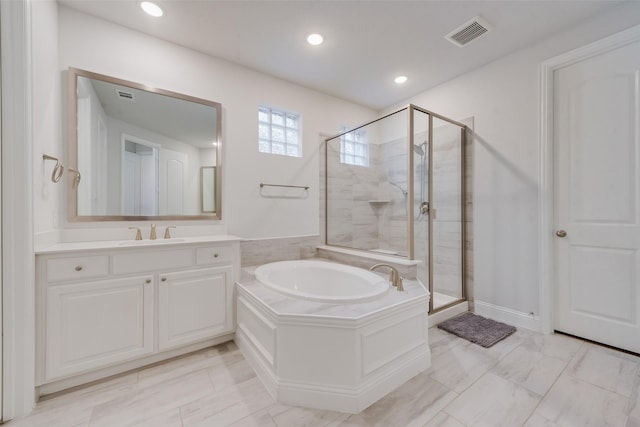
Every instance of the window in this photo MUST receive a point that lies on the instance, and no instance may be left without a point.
(279, 132)
(354, 149)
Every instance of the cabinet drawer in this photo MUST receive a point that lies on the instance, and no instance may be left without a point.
(214, 255)
(139, 262)
(82, 267)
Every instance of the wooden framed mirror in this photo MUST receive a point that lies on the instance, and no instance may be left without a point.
(139, 151)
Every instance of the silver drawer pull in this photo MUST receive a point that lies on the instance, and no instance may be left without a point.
(148, 281)
(78, 268)
(215, 255)
(164, 279)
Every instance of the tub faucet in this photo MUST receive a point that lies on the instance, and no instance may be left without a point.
(394, 277)
(152, 234)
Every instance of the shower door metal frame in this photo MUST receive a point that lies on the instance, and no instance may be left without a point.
(463, 205)
(410, 190)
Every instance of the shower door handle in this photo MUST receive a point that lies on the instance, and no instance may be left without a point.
(424, 208)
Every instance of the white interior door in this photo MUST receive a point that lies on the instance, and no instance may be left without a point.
(102, 173)
(597, 198)
(131, 190)
(173, 178)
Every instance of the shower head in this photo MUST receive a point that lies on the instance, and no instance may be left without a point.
(404, 192)
(419, 149)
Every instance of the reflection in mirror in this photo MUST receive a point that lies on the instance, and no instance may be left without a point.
(140, 151)
(208, 188)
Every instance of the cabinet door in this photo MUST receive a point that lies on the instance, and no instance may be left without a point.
(95, 324)
(194, 306)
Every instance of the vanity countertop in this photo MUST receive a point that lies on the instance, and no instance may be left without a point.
(132, 244)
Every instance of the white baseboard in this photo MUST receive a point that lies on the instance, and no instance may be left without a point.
(507, 315)
(105, 373)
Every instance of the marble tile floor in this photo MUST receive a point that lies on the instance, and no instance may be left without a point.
(528, 379)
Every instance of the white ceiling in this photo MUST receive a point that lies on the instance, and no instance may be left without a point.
(182, 120)
(367, 43)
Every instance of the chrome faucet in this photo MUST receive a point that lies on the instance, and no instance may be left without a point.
(152, 235)
(394, 276)
(167, 234)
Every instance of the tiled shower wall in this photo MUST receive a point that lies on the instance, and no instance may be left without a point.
(353, 196)
(263, 251)
(366, 211)
(392, 222)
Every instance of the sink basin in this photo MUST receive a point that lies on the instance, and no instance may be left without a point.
(150, 242)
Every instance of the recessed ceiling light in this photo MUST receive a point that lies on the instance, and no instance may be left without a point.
(400, 79)
(315, 39)
(151, 9)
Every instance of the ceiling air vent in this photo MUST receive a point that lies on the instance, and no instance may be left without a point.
(125, 95)
(468, 31)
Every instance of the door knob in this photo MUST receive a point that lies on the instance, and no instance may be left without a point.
(561, 233)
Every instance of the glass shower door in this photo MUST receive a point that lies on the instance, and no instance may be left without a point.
(436, 214)
(446, 214)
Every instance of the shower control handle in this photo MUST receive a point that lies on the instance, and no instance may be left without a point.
(424, 208)
(561, 233)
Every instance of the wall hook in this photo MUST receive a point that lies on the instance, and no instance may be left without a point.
(76, 178)
(58, 169)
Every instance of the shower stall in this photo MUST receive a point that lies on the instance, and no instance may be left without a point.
(397, 187)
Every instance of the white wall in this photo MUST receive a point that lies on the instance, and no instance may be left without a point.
(95, 45)
(47, 122)
(504, 98)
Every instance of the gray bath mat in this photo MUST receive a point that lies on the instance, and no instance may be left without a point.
(477, 329)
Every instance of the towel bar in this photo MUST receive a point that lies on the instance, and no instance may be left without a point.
(262, 185)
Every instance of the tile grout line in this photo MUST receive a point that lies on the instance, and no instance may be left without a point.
(466, 388)
(498, 360)
(448, 414)
(553, 383)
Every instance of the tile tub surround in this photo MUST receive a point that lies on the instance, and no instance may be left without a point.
(263, 251)
(217, 387)
(341, 357)
(363, 259)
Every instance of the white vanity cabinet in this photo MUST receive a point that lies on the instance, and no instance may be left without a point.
(108, 310)
(97, 323)
(194, 305)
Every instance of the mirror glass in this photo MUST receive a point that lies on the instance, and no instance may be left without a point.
(142, 153)
(208, 188)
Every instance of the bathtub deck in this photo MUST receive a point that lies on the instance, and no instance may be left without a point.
(285, 305)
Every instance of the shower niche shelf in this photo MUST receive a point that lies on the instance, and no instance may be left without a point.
(378, 203)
